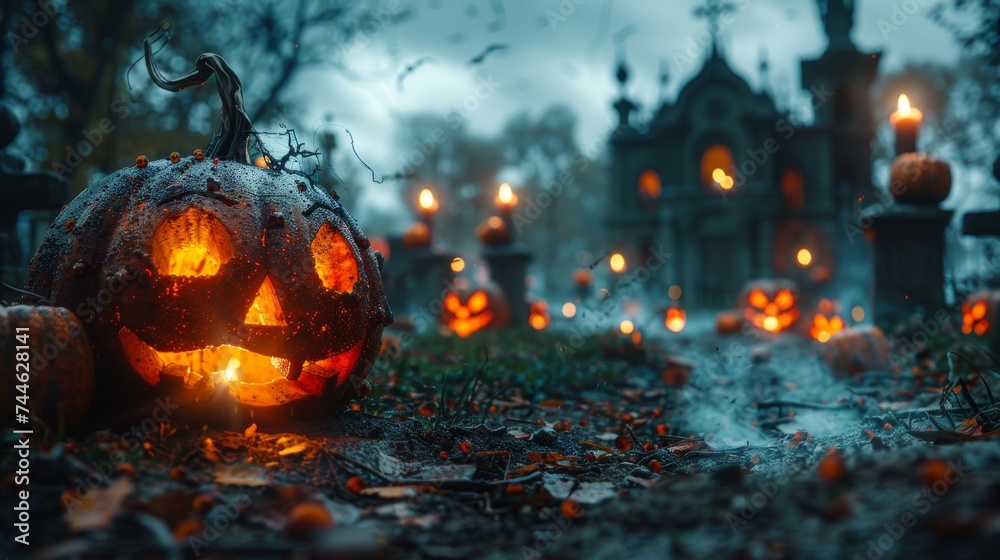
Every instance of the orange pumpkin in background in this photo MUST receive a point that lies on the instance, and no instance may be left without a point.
(240, 291)
(494, 231)
(675, 319)
(857, 350)
(729, 322)
(538, 315)
(979, 312)
(468, 309)
(417, 235)
(919, 179)
(770, 305)
(57, 371)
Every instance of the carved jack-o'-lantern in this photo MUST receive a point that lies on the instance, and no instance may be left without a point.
(241, 290)
(770, 305)
(538, 315)
(468, 309)
(979, 312)
(826, 322)
(675, 320)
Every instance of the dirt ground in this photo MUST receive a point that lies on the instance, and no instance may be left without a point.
(690, 447)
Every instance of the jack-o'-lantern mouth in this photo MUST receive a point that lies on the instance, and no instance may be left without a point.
(250, 378)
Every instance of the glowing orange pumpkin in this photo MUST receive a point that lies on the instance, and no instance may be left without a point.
(239, 290)
(675, 320)
(770, 305)
(417, 235)
(469, 309)
(538, 315)
(979, 312)
(826, 322)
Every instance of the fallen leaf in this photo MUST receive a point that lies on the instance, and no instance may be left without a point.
(297, 448)
(391, 492)
(240, 474)
(99, 506)
(585, 492)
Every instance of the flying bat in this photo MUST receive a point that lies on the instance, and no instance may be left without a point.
(490, 49)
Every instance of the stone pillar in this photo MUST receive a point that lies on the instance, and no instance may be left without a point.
(509, 268)
(909, 260)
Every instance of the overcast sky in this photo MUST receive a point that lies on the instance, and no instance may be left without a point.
(571, 61)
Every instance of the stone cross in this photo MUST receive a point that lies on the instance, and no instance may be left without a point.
(712, 11)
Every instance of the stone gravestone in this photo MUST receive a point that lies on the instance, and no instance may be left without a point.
(31, 199)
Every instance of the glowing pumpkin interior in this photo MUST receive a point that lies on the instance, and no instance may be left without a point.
(470, 316)
(826, 322)
(675, 320)
(538, 315)
(194, 244)
(771, 314)
(974, 317)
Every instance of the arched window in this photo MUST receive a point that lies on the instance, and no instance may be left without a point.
(649, 186)
(717, 168)
(793, 189)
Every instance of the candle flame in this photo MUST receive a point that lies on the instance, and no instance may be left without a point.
(904, 105)
(905, 111)
(506, 197)
(626, 327)
(231, 368)
(427, 201)
(804, 257)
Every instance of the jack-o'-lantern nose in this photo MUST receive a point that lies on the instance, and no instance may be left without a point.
(266, 309)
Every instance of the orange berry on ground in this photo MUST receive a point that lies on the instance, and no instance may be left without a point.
(306, 518)
(355, 484)
(831, 467)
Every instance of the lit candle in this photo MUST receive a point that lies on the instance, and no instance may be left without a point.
(906, 122)
(428, 205)
(506, 201)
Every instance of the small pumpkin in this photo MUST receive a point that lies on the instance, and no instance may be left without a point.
(857, 350)
(770, 305)
(919, 179)
(60, 367)
(979, 312)
(729, 322)
(240, 290)
(675, 319)
(494, 231)
(470, 308)
(417, 235)
(827, 321)
(538, 315)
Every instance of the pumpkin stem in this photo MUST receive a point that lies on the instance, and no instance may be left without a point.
(232, 141)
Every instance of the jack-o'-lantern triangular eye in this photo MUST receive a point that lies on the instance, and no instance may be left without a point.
(336, 264)
(477, 302)
(266, 309)
(191, 242)
(758, 299)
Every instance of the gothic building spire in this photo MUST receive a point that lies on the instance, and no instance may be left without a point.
(838, 20)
